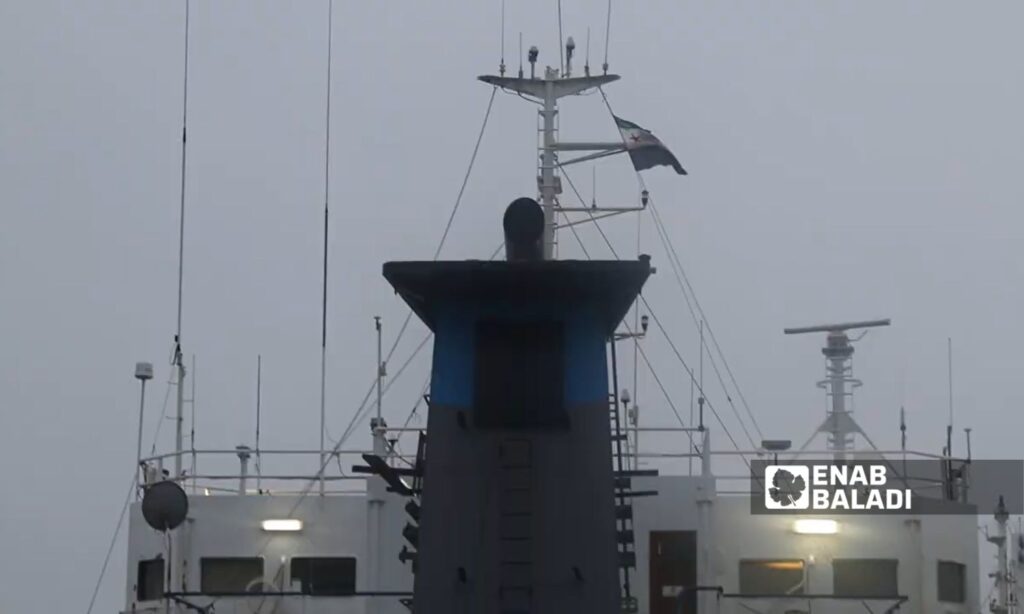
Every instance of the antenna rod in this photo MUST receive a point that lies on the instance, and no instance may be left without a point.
(323, 306)
(143, 372)
(381, 369)
(949, 360)
(903, 431)
(259, 390)
(607, 37)
(178, 362)
(561, 51)
(520, 55)
(501, 65)
(700, 385)
(586, 64)
(192, 423)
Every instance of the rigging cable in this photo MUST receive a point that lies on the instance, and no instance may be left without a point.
(684, 284)
(654, 316)
(113, 542)
(437, 252)
(631, 331)
(682, 279)
(451, 217)
(163, 412)
(127, 501)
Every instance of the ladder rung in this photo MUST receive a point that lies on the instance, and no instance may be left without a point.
(637, 493)
(627, 559)
(637, 473)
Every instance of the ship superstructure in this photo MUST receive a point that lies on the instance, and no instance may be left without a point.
(529, 490)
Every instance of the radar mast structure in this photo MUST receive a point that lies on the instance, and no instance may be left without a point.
(839, 383)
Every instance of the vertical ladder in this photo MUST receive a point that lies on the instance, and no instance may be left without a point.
(623, 496)
(515, 526)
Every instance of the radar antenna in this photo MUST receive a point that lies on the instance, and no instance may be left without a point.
(839, 383)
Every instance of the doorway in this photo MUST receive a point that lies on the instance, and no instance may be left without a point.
(673, 567)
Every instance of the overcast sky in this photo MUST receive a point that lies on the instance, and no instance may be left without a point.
(847, 161)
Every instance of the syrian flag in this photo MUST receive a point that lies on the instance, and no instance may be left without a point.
(645, 149)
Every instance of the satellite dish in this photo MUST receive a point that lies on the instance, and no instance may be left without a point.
(164, 505)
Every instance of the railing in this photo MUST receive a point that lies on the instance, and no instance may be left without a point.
(247, 471)
(673, 450)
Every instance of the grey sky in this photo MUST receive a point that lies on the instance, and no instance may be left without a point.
(847, 160)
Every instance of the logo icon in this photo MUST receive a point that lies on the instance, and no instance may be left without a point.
(785, 487)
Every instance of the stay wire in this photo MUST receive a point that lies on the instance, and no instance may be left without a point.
(469, 170)
(687, 289)
(308, 488)
(682, 279)
(113, 542)
(437, 252)
(714, 365)
(678, 354)
(650, 367)
(127, 502)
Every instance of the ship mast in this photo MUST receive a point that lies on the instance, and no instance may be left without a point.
(546, 91)
(1003, 603)
(178, 361)
(839, 424)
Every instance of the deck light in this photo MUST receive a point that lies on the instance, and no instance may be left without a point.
(284, 524)
(816, 526)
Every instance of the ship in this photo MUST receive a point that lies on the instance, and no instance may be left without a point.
(536, 486)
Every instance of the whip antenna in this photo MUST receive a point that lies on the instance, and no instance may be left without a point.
(501, 65)
(607, 39)
(327, 194)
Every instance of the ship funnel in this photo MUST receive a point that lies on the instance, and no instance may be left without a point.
(524, 227)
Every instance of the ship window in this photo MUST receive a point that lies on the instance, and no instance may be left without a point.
(865, 577)
(231, 575)
(325, 576)
(952, 582)
(772, 577)
(150, 581)
(518, 380)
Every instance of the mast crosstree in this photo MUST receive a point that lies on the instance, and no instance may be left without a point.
(547, 91)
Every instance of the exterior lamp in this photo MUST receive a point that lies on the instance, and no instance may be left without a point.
(816, 526)
(282, 525)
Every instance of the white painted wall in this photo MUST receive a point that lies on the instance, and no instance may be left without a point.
(336, 526)
(739, 535)
(230, 526)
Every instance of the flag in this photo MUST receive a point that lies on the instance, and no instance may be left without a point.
(645, 149)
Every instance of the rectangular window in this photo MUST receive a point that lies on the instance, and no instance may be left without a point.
(231, 575)
(952, 582)
(149, 585)
(519, 375)
(772, 577)
(865, 577)
(325, 575)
